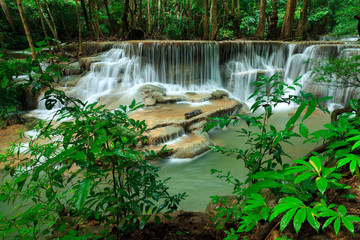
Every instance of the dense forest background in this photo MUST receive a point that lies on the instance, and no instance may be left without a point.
(169, 19)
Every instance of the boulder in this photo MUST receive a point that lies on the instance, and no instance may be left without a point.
(219, 94)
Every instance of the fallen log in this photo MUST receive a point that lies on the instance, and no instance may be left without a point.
(193, 113)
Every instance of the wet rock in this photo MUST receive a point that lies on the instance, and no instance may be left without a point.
(30, 99)
(218, 94)
(73, 69)
(164, 134)
(86, 62)
(152, 94)
(193, 113)
(192, 145)
(196, 126)
(150, 88)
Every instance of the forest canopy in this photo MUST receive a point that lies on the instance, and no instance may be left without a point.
(185, 19)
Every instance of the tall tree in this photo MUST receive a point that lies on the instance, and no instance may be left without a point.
(237, 18)
(51, 25)
(95, 20)
(125, 23)
(88, 25)
(287, 28)
(206, 19)
(26, 28)
(303, 22)
(214, 24)
(80, 52)
(109, 17)
(272, 29)
(148, 16)
(260, 30)
(8, 14)
(42, 23)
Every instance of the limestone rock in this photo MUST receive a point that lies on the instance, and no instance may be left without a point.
(86, 62)
(73, 69)
(218, 94)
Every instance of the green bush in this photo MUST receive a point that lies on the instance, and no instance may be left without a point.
(302, 188)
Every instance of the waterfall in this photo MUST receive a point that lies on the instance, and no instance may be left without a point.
(205, 66)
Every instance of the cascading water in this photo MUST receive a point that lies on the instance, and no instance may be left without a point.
(116, 75)
(205, 66)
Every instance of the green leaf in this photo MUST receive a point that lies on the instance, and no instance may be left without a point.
(4, 82)
(321, 184)
(303, 177)
(304, 131)
(157, 219)
(299, 219)
(348, 196)
(310, 110)
(345, 160)
(286, 218)
(348, 224)
(316, 163)
(310, 217)
(82, 193)
(355, 146)
(256, 187)
(342, 210)
(296, 116)
(337, 225)
(143, 221)
(354, 104)
(328, 222)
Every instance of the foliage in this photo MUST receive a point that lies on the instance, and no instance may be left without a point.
(33, 77)
(338, 72)
(172, 19)
(303, 187)
(178, 27)
(113, 184)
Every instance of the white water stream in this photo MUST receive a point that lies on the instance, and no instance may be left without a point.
(205, 66)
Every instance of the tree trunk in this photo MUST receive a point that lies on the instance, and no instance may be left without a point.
(260, 30)
(237, 19)
(154, 16)
(2, 43)
(8, 15)
(214, 24)
(80, 52)
(88, 25)
(148, 16)
(125, 22)
(96, 21)
(303, 22)
(42, 22)
(26, 28)
(272, 29)
(109, 17)
(206, 19)
(287, 28)
(140, 17)
(52, 28)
